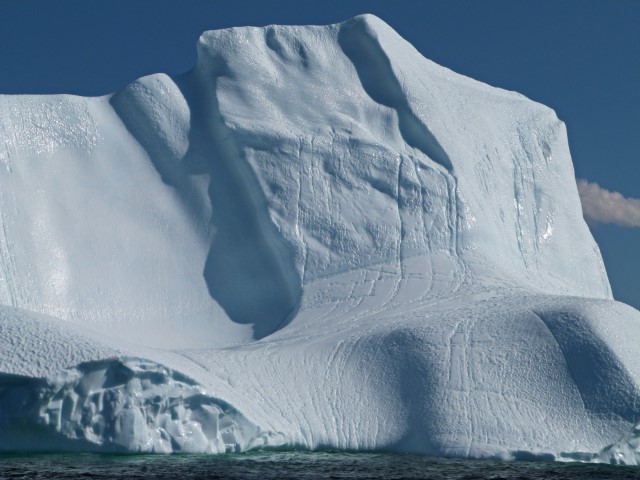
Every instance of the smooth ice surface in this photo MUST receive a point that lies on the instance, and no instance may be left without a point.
(315, 238)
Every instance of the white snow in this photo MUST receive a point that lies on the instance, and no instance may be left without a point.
(316, 238)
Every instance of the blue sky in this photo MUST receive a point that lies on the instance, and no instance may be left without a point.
(581, 57)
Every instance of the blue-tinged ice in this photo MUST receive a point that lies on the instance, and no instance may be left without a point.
(315, 238)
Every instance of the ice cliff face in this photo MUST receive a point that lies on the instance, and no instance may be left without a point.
(343, 243)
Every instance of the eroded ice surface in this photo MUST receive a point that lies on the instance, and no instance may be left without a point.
(315, 238)
(126, 405)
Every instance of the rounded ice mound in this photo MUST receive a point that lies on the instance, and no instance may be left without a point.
(343, 243)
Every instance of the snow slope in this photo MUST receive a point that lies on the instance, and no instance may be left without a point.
(315, 238)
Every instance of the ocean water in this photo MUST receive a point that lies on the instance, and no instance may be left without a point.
(294, 465)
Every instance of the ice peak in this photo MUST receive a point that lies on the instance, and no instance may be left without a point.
(371, 23)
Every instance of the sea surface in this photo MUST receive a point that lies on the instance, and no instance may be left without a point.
(303, 465)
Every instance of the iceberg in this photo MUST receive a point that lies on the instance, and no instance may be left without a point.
(316, 238)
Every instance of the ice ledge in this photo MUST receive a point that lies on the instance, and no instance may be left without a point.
(133, 405)
(127, 405)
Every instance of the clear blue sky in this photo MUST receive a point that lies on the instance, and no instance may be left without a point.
(581, 57)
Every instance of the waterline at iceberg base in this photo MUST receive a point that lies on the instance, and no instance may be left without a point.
(316, 238)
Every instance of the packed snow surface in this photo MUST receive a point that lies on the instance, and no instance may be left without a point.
(316, 238)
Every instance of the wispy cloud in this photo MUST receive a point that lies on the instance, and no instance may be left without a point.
(599, 205)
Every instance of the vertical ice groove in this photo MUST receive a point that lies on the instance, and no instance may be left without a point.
(517, 191)
(7, 296)
(298, 227)
(6, 270)
(400, 221)
(250, 270)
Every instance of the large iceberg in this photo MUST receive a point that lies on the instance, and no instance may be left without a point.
(316, 238)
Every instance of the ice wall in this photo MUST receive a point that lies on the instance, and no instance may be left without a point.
(408, 159)
(287, 154)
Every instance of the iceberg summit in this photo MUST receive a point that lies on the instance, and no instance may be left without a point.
(316, 238)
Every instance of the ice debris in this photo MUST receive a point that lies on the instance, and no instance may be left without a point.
(126, 405)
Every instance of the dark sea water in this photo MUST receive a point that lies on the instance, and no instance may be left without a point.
(302, 465)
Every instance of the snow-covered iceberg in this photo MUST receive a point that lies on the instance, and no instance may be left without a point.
(315, 238)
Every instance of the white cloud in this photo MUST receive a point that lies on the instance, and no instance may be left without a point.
(599, 205)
